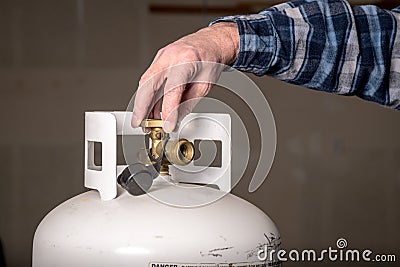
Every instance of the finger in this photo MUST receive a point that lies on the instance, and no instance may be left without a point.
(157, 110)
(145, 94)
(154, 109)
(178, 78)
(172, 98)
(190, 98)
(157, 103)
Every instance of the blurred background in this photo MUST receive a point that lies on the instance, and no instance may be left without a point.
(336, 172)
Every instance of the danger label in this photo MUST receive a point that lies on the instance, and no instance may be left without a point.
(254, 264)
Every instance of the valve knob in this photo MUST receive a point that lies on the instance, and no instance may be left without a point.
(137, 178)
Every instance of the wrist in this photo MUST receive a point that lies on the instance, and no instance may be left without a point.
(226, 38)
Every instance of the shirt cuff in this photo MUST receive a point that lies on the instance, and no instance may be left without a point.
(257, 42)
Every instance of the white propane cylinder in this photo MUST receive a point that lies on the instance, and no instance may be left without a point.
(198, 226)
(140, 231)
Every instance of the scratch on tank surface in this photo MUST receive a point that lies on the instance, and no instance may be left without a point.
(216, 252)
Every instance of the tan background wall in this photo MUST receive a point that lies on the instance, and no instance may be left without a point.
(336, 171)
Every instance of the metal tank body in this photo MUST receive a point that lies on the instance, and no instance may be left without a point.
(175, 224)
(140, 231)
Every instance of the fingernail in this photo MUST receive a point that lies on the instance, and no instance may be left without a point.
(168, 127)
(135, 122)
(146, 130)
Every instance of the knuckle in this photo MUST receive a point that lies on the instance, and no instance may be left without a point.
(142, 80)
(161, 51)
(189, 54)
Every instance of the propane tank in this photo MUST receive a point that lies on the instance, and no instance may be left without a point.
(160, 215)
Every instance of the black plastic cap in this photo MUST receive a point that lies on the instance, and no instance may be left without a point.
(137, 178)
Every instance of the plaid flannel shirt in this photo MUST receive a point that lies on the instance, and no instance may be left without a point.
(325, 45)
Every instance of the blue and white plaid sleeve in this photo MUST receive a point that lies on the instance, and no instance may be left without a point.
(325, 45)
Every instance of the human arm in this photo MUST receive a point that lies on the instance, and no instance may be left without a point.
(323, 45)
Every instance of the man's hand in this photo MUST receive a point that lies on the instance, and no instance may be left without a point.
(218, 43)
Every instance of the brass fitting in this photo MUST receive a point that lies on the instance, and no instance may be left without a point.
(178, 152)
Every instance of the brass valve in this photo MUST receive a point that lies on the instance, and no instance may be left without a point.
(178, 152)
